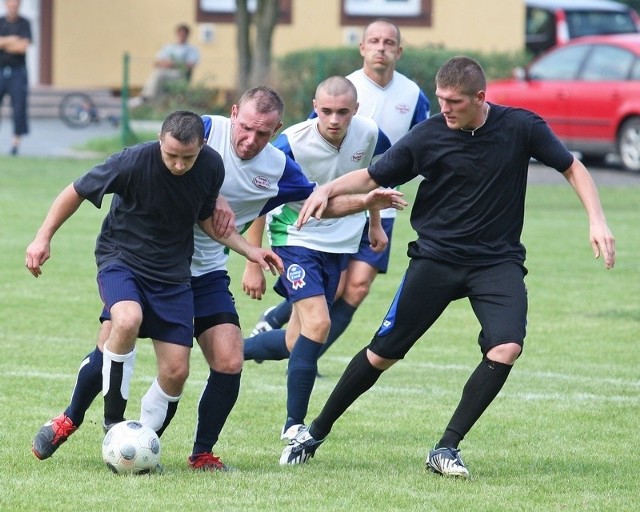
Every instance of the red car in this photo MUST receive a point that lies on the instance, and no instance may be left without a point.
(588, 90)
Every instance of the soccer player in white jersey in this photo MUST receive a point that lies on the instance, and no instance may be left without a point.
(396, 104)
(258, 177)
(334, 144)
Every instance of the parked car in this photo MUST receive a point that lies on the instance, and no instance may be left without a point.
(554, 22)
(588, 91)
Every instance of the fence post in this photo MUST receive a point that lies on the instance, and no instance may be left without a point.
(126, 134)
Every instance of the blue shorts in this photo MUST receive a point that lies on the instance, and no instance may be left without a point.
(378, 260)
(308, 273)
(167, 309)
(213, 301)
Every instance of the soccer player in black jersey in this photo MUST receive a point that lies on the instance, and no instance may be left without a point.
(468, 215)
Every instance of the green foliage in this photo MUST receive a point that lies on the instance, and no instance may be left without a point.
(183, 96)
(298, 74)
(561, 436)
(106, 146)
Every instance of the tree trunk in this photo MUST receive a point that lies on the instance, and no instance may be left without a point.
(243, 21)
(266, 18)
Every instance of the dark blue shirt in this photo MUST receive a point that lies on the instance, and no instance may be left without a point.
(149, 227)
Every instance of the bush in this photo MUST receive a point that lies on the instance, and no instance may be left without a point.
(183, 96)
(296, 76)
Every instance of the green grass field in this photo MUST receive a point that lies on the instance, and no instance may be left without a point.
(561, 436)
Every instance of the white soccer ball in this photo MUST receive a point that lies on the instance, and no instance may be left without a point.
(131, 448)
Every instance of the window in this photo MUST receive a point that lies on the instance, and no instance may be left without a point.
(224, 6)
(223, 11)
(406, 12)
(587, 23)
(607, 63)
(562, 64)
(382, 7)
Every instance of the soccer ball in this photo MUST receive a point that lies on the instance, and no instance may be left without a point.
(131, 448)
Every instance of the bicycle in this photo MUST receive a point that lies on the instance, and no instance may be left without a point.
(78, 110)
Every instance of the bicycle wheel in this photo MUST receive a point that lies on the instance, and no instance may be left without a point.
(77, 110)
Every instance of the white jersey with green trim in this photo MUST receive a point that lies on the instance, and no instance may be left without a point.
(251, 187)
(322, 162)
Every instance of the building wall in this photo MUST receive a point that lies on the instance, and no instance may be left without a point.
(90, 37)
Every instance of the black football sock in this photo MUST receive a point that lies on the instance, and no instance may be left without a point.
(483, 386)
(117, 370)
(357, 378)
(87, 387)
(217, 400)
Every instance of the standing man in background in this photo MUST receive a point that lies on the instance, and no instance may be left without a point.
(396, 104)
(15, 38)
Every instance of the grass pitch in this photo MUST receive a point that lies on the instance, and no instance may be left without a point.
(561, 436)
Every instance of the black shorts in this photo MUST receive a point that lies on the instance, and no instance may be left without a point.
(497, 295)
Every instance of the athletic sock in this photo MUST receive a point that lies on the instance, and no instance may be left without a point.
(267, 346)
(483, 386)
(87, 387)
(358, 377)
(279, 315)
(216, 402)
(301, 376)
(157, 408)
(117, 370)
(341, 315)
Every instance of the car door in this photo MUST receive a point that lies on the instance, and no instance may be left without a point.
(552, 82)
(595, 105)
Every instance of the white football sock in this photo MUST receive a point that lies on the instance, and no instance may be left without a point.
(154, 406)
(128, 360)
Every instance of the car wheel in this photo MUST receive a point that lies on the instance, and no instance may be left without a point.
(629, 144)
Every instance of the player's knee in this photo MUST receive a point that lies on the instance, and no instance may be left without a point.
(506, 353)
(356, 292)
(317, 328)
(174, 375)
(229, 363)
(127, 324)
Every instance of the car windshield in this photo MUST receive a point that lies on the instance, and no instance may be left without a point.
(587, 23)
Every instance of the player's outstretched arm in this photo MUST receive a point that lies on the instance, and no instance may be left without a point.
(382, 198)
(39, 251)
(601, 238)
(266, 258)
(355, 182)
